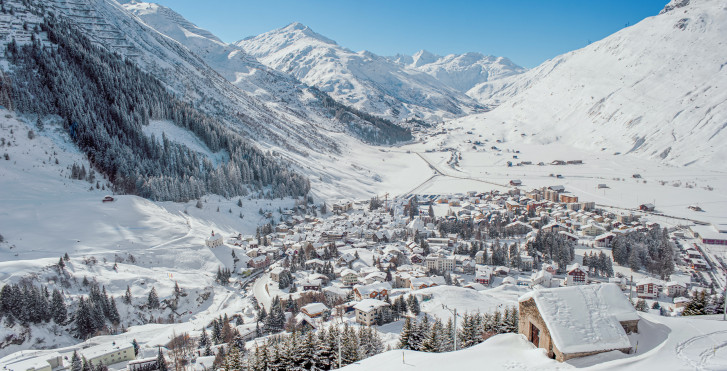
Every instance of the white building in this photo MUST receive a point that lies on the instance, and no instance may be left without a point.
(368, 309)
(109, 354)
(440, 262)
(214, 240)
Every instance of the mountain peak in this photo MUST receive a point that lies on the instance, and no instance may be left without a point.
(423, 57)
(295, 26)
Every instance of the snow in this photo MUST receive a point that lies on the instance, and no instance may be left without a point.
(467, 300)
(655, 89)
(460, 71)
(664, 343)
(585, 318)
(499, 352)
(363, 80)
(367, 305)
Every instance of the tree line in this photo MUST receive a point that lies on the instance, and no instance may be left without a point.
(105, 100)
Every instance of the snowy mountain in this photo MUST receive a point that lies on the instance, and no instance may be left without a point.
(364, 80)
(460, 71)
(656, 89)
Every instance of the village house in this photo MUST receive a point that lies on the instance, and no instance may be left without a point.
(311, 284)
(483, 274)
(373, 291)
(675, 289)
(600, 317)
(648, 288)
(314, 310)
(418, 283)
(259, 261)
(276, 272)
(368, 310)
(576, 275)
(543, 279)
(349, 277)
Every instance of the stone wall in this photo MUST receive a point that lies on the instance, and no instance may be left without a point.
(529, 314)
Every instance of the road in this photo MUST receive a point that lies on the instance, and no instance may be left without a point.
(258, 289)
(439, 172)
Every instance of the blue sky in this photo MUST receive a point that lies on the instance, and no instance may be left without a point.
(526, 31)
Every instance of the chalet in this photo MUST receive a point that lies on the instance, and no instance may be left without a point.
(314, 310)
(107, 199)
(311, 284)
(483, 274)
(557, 188)
(647, 207)
(648, 288)
(675, 289)
(557, 162)
(418, 283)
(598, 319)
(516, 182)
(214, 240)
(592, 230)
(349, 277)
(576, 275)
(259, 261)
(604, 240)
(369, 310)
(379, 290)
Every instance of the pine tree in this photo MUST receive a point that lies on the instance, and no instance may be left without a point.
(76, 362)
(161, 361)
(405, 334)
(433, 342)
(127, 296)
(153, 300)
(203, 339)
(135, 344)
(58, 308)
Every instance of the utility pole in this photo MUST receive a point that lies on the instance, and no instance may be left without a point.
(454, 315)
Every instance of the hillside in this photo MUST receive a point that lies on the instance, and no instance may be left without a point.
(363, 80)
(656, 89)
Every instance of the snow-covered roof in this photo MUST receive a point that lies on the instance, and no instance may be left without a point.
(365, 290)
(367, 305)
(314, 308)
(585, 318)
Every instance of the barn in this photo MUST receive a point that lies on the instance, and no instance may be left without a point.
(578, 321)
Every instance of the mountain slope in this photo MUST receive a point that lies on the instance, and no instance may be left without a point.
(460, 71)
(364, 80)
(657, 89)
(278, 91)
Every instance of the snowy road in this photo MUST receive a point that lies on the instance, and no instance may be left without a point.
(258, 289)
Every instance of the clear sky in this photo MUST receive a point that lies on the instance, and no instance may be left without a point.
(526, 31)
